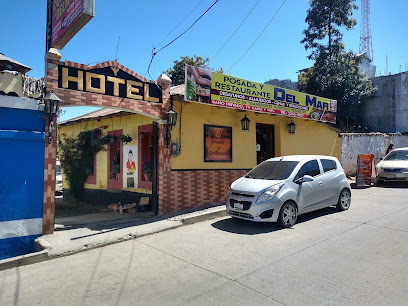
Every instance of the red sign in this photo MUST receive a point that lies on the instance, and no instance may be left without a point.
(66, 18)
(364, 169)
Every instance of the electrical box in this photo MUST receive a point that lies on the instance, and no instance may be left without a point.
(174, 149)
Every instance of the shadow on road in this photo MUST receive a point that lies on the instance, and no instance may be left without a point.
(392, 185)
(244, 227)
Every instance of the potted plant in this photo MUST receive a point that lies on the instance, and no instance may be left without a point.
(147, 171)
(115, 171)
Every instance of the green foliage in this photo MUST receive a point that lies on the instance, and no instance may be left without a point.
(339, 78)
(288, 84)
(177, 72)
(335, 73)
(125, 138)
(324, 19)
(76, 155)
(147, 168)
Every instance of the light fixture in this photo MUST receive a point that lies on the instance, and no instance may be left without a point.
(245, 123)
(52, 103)
(291, 128)
(171, 118)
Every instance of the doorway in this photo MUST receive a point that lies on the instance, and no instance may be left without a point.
(265, 142)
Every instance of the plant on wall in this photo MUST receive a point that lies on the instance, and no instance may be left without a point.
(125, 138)
(76, 155)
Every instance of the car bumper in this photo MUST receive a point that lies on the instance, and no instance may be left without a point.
(385, 176)
(258, 212)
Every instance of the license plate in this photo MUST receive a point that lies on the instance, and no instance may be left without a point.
(239, 206)
(391, 176)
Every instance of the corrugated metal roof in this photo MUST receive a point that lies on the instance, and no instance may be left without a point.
(178, 90)
(7, 63)
(95, 114)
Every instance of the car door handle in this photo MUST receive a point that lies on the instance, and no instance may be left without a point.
(320, 183)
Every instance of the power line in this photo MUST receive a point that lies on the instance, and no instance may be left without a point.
(235, 31)
(155, 53)
(180, 23)
(273, 17)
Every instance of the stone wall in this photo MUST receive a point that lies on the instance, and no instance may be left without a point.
(353, 144)
(387, 111)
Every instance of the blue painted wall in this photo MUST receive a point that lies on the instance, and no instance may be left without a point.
(21, 179)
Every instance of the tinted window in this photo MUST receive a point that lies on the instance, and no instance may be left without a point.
(57, 169)
(397, 155)
(328, 164)
(273, 170)
(310, 168)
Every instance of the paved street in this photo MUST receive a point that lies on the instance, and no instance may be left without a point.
(355, 257)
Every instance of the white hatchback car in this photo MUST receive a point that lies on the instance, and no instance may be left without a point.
(281, 188)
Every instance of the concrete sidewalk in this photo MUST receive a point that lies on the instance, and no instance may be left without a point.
(81, 233)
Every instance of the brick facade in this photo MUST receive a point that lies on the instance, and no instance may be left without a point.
(79, 98)
(177, 190)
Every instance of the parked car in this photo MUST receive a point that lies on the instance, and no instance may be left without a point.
(281, 188)
(58, 178)
(393, 167)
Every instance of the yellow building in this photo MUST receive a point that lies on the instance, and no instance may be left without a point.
(198, 168)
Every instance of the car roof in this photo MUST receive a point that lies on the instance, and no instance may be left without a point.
(301, 157)
(400, 149)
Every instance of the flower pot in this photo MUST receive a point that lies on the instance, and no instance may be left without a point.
(147, 176)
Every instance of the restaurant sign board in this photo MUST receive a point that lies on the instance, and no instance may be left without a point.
(205, 86)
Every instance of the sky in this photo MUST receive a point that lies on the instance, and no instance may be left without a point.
(142, 25)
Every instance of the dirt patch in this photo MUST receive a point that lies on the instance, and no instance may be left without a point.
(65, 208)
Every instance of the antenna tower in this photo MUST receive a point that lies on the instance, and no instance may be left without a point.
(366, 44)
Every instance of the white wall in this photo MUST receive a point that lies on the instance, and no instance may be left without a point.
(353, 144)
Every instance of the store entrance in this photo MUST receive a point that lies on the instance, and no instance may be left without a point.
(265, 142)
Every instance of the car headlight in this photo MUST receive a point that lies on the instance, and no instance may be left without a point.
(269, 193)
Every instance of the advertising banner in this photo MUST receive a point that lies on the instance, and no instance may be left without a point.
(130, 170)
(66, 18)
(365, 169)
(217, 143)
(222, 90)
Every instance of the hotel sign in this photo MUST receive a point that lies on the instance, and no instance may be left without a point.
(110, 81)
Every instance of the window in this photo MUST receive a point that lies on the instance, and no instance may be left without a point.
(309, 168)
(328, 165)
(273, 170)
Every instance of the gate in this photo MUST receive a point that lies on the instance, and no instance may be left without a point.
(21, 175)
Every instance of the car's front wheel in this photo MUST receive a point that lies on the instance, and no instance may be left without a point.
(344, 200)
(288, 215)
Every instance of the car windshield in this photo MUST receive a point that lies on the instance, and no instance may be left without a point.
(273, 170)
(397, 155)
(57, 169)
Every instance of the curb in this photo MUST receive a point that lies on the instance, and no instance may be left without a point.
(42, 246)
(24, 260)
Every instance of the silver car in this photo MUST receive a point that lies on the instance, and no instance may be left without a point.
(281, 188)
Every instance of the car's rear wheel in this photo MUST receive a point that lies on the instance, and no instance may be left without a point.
(344, 200)
(288, 215)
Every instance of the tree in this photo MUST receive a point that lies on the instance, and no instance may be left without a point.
(177, 72)
(335, 73)
(324, 19)
(76, 155)
(339, 78)
(288, 84)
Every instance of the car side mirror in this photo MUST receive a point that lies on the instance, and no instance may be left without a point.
(381, 158)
